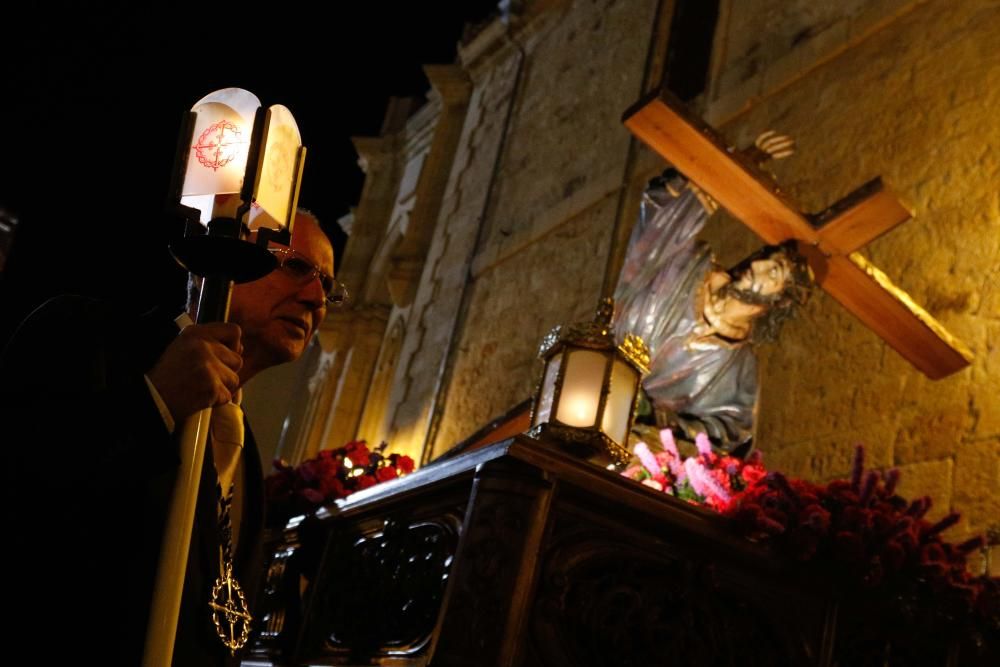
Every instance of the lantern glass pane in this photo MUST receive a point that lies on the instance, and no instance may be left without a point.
(581, 388)
(619, 404)
(279, 174)
(547, 390)
(218, 154)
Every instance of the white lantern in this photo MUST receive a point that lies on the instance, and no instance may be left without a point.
(587, 397)
(238, 170)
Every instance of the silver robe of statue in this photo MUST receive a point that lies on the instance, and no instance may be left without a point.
(707, 385)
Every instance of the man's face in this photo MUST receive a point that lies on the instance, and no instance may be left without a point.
(279, 313)
(765, 276)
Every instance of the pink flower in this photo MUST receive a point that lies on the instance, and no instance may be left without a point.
(633, 472)
(693, 469)
(703, 444)
(673, 456)
(649, 461)
(704, 484)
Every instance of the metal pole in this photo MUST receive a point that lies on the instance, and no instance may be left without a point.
(161, 630)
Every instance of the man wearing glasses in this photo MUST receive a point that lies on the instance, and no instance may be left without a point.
(97, 395)
(270, 322)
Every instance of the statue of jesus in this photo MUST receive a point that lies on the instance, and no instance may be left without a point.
(701, 321)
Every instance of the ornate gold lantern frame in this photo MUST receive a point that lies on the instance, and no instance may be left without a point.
(588, 394)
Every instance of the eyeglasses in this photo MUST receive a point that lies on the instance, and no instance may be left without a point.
(301, 269)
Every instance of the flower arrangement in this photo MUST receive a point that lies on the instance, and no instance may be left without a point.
(332, 474)
(870, 533)
(706, 479)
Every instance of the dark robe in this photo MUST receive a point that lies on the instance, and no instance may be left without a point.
(89, 469)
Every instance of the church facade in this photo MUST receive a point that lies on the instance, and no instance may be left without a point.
(501, 207)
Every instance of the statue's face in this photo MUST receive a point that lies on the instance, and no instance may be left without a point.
(729, 314)
(765, 276)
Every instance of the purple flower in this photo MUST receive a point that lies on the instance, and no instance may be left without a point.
(702, 481)
(970, 545)
(670, 446)
(944, 524)
(871, 479)
(857, 467)
(891, 479)
(649, 461)
(703, 444)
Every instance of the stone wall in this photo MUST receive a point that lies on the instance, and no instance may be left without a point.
(544, 177)
(439, 295)
(908, 91)
(553, 204)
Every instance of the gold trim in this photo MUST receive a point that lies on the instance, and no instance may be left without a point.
(635, 351)
(227, 600)
(596, 335)
(583, 443)
(902, 297)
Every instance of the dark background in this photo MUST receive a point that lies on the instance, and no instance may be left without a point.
(92, 101)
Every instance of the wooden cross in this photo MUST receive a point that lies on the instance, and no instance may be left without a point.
(828, 240)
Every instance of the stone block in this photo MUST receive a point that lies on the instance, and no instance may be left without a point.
(873, 14)
(977, 484)
(823, 459)
(936, 431)
(824, 43)
(929, 478)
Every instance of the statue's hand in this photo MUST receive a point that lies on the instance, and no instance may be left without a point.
(775, 146)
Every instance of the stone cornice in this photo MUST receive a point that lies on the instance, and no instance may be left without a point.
(450, 82)
(373, 151)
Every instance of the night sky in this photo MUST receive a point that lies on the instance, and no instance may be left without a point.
(93, 98)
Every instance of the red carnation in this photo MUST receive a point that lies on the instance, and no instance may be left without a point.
(359, 455)
(752, 474)
(333, 488)
(385, 473)
(405, 463)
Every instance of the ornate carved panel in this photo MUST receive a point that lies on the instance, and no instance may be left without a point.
(380, 590)
(607, 597)
(492, 583)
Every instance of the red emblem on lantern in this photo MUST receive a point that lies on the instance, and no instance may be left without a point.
(218, 145)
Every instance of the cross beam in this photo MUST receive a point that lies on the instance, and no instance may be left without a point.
(829, 241)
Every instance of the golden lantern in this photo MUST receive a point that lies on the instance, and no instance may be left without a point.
(586, 400)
